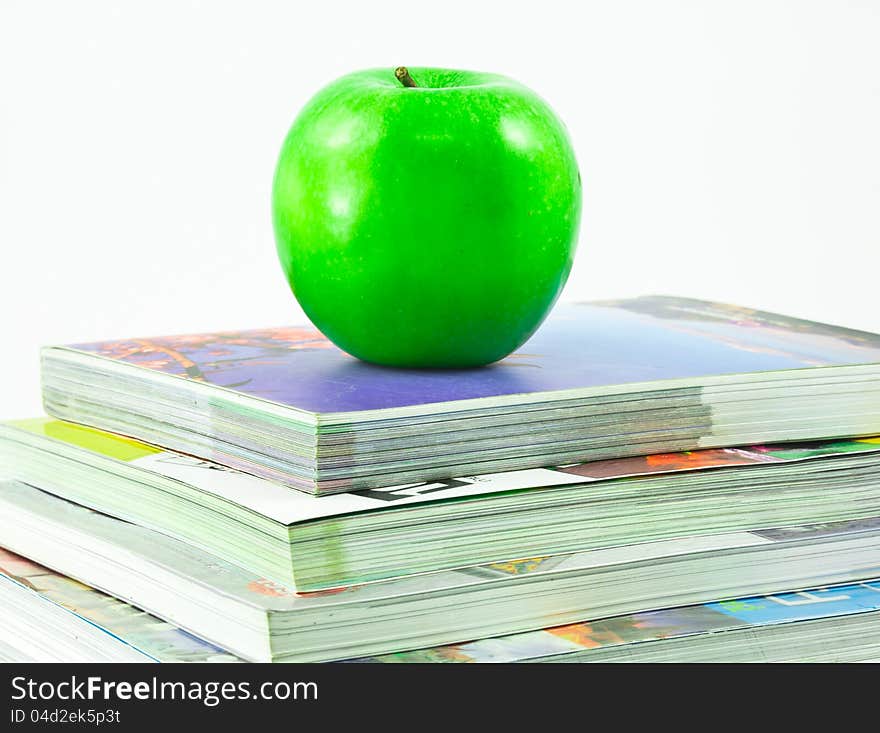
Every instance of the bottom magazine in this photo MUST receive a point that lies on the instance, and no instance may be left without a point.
(257, 620)
(50, 617)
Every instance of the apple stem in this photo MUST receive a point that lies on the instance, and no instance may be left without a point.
(402, 74)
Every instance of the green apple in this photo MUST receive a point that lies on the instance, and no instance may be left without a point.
(426, 218)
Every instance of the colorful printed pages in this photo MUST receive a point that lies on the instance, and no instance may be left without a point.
(829, 624)
(48, 617)
(259, 620)
(55, 618)
(598, 381)
(313, 543)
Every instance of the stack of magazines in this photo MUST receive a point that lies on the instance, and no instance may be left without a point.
(654, 479)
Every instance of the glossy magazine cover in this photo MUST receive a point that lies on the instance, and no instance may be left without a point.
(580, 347)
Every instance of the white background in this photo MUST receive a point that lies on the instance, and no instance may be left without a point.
(729, 151)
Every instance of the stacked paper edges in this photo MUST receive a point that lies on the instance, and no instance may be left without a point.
(656, 453)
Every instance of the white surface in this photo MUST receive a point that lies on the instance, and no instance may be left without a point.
(729, 151)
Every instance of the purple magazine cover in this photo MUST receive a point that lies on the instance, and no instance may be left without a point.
(583, 345)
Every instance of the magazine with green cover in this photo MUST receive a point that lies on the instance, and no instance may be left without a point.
(314, 543)
(255, 618)
(599, 380)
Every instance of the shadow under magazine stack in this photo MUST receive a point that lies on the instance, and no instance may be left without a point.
(633, 456)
